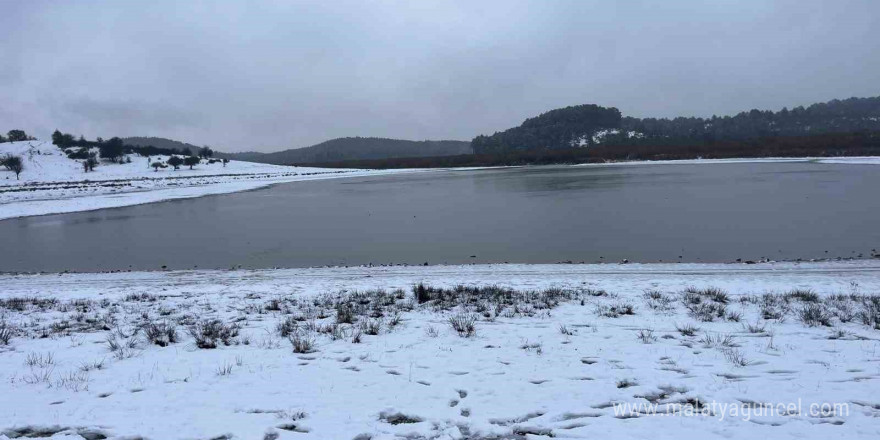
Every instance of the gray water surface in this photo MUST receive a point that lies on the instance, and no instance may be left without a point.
(646, 213)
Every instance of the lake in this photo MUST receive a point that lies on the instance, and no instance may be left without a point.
(643, 213)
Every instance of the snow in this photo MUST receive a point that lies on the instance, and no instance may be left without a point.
(519, 377)
(600, 135)
(52, 183)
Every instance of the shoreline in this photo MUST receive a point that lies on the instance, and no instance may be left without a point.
(827, 265)
(65, 205)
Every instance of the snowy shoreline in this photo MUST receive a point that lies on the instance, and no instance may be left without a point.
(560, 362)
(30, 208)
(54, 184)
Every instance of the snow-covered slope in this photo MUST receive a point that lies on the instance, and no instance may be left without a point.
(79, 363)
(53, 183)
(44, 162)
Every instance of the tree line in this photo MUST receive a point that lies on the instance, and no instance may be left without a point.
(823, 145)
(591, 125)
(115, 147)
(16, 136)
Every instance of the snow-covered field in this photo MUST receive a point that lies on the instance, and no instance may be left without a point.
(750, 358)
(52, 183)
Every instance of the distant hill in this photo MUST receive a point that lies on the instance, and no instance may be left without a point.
(591, 125)
(355, 148)
(159, 143)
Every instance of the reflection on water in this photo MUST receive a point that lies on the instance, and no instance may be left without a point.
(681, 212)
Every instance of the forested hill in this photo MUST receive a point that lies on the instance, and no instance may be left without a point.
(163, 143)
(355, 148)
(589, 125)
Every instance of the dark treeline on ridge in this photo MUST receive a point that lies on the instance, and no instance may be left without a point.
(822, 145)
(115, 147)
(16, 135)
(356, 148)
(591, 125)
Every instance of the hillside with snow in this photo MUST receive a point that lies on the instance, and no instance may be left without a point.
(53, 183)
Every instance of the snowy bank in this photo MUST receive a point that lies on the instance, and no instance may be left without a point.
(614, 349)
(51, 183)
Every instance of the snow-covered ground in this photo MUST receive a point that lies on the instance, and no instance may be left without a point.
(562, 363)
(52, 183)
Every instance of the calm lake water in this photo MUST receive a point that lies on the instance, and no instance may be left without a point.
(645, 213)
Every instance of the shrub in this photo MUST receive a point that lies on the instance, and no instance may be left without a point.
(5, 333)
(646, 336)
(287, 326)
(706, 311)
(210, 333)
(302, 342)
(224, 370)
(344, 314)
(656, 300)
(757, 327)
(615, 310)
(687, 329)
(463, 324)
(714, 294)
(41, 360)
(841, 307)
(870, 311)
(371, 326)
(626, 383)
(814, 315)
(718, 341)
(118, 341)
(431, 331)
(89, 163)
(422, 293)
(394, 320)
(773, 306)
(803, 295)
(161, 334)
(736, 357)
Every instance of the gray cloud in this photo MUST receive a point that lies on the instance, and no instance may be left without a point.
(273, 75)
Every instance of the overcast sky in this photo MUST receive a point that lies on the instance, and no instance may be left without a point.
(272, 75)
